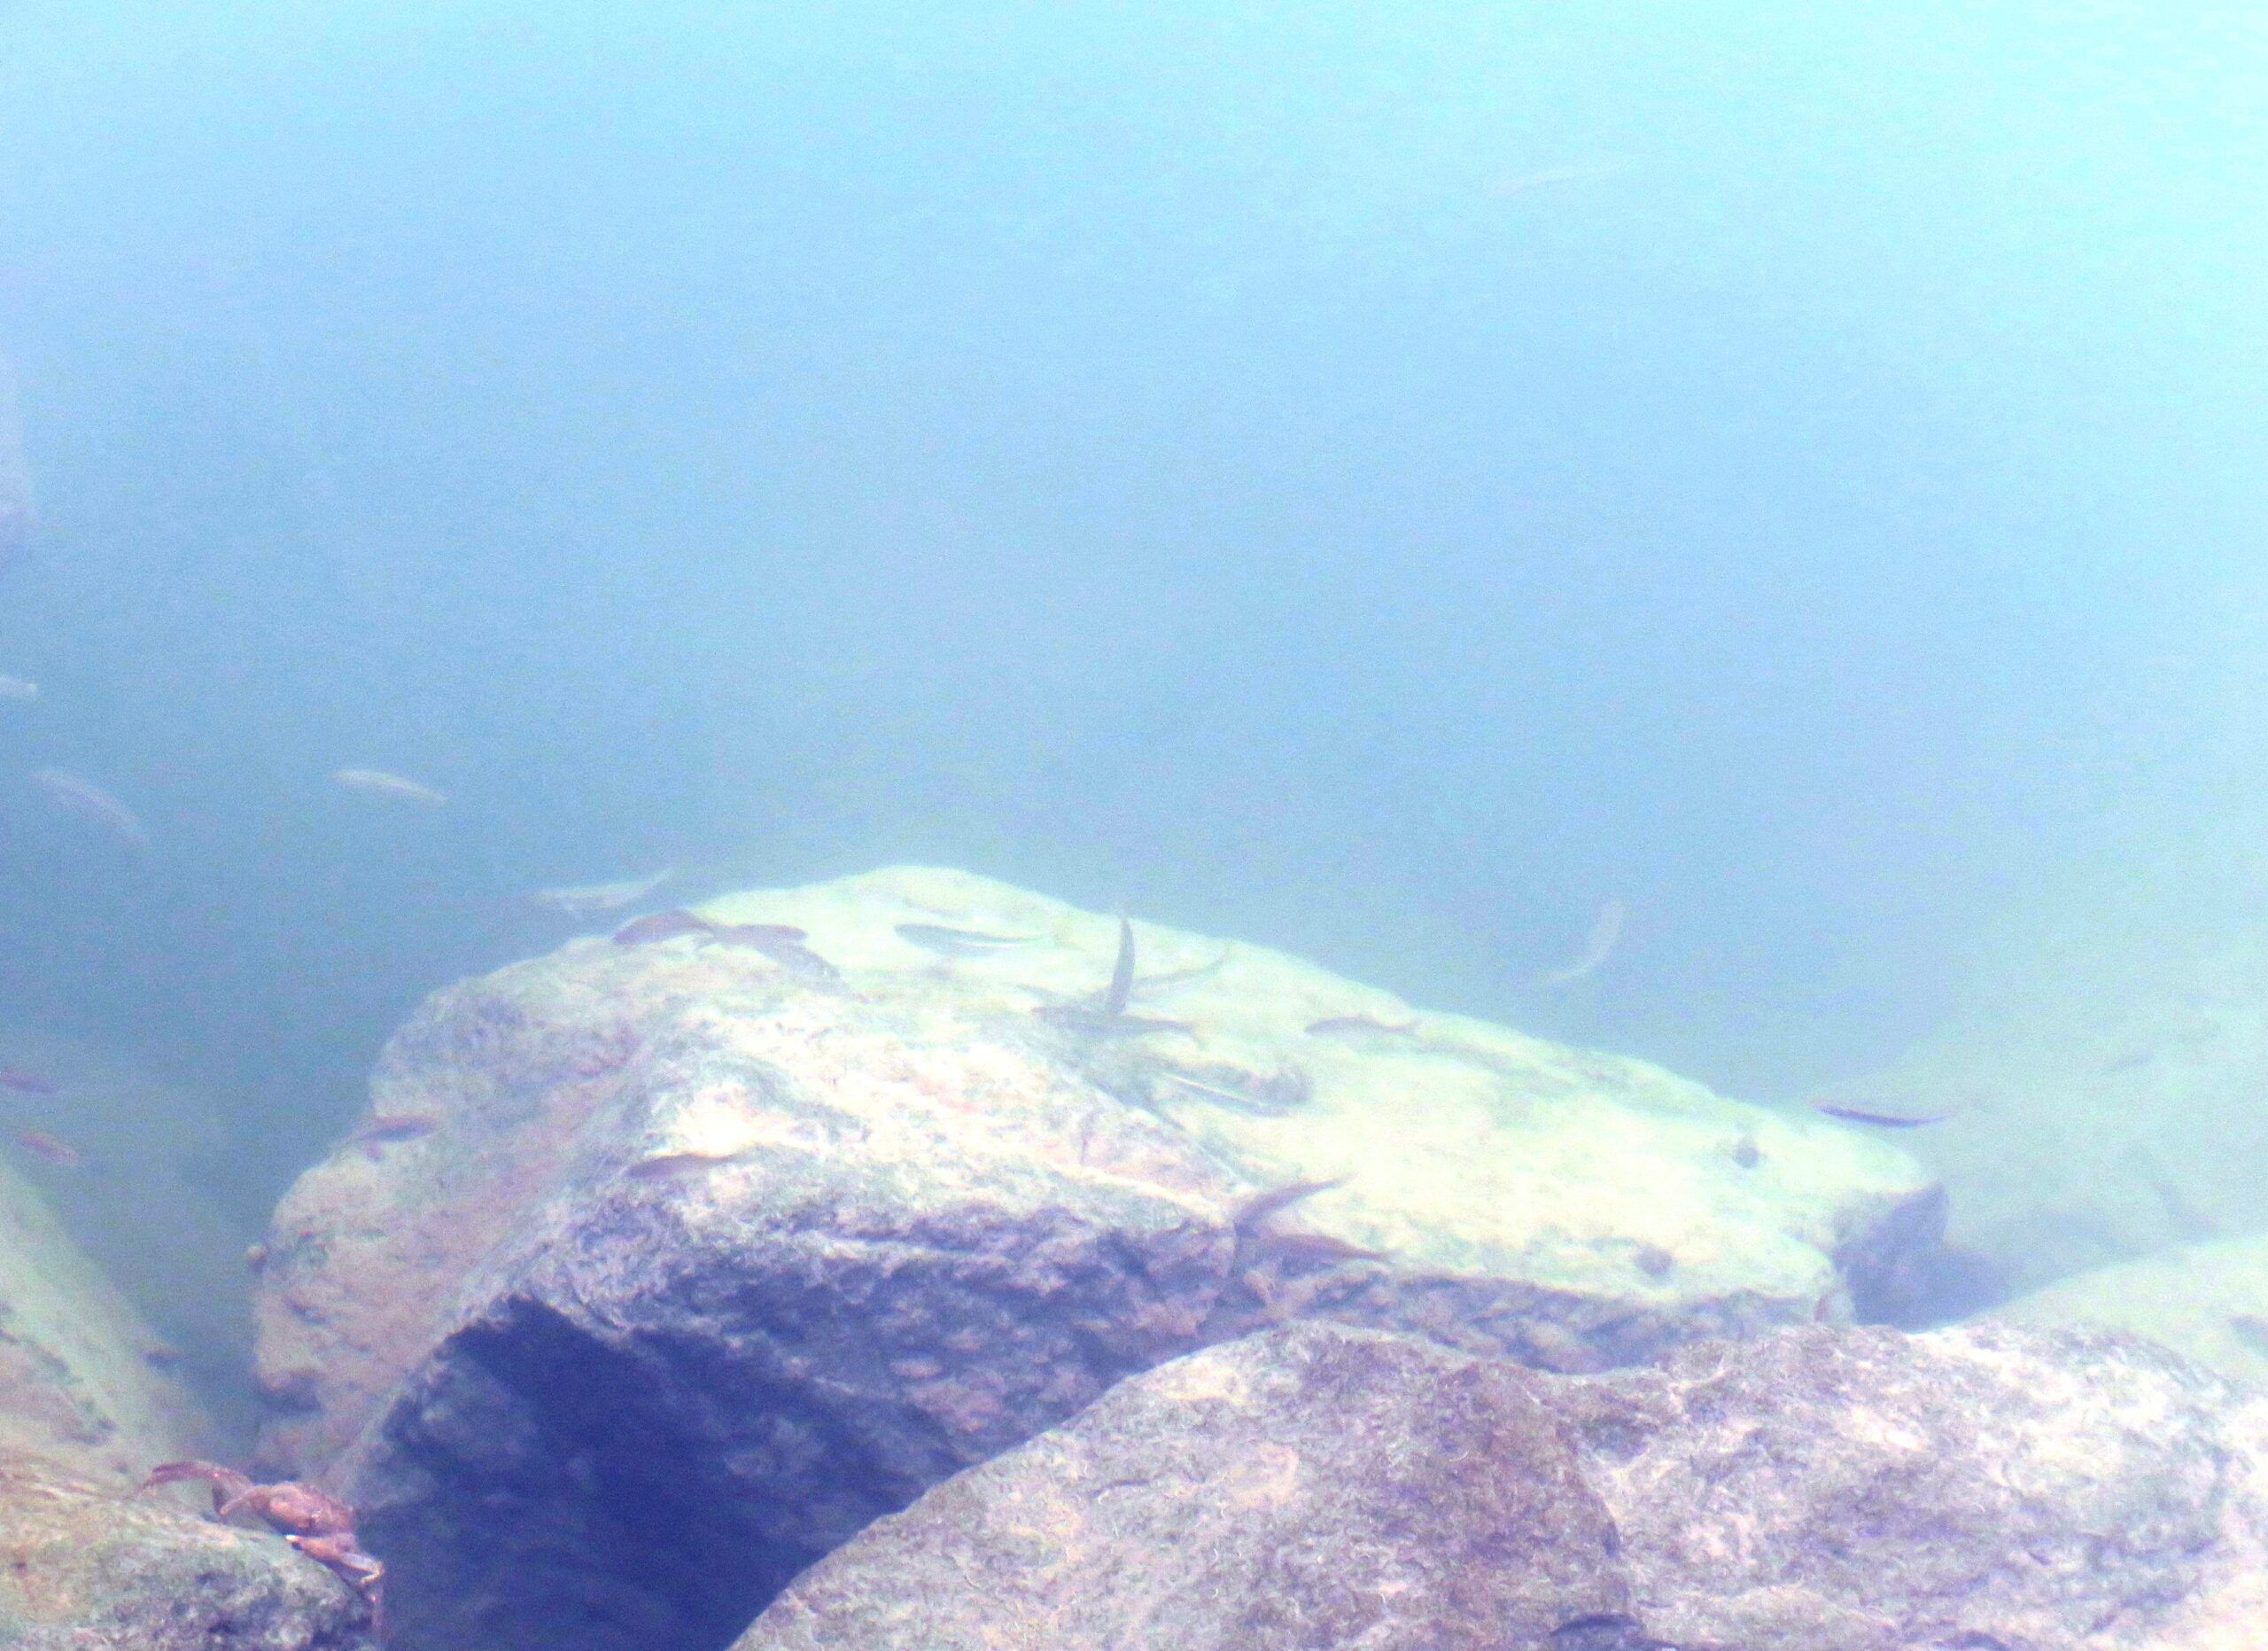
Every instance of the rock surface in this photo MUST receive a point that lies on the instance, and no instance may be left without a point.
(1307, 1487)
(84, 1414)
(1818, 1490)
(78, 1384)
(91, 1569)
(2207, 1302)
(663, 1268)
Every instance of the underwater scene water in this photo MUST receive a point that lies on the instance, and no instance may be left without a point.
(770, 773)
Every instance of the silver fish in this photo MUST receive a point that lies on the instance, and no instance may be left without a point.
(588, 899)
(16, 688)
(1598, 945)
(935, 937)
(83, 799)
(378, 783)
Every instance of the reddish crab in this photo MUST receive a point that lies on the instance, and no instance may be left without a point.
(320, 1527)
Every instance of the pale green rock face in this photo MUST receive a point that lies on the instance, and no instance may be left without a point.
(1464, 1148)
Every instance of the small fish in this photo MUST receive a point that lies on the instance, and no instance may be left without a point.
(782, 943)
(1549, 176)
(1318, 1247)
(1089, 1021)
(82, 799)
(390, 1126)
(932, 936)
(589, 898)
(26, 1083)
(1351, 1026)
(16, 688)
(757, 935)
(378, 783)
(1880, 1120)
(1121, 989)
(657, 926)
(1269, 1094)
(2252, 1330)
(669, 1166)
(53, 1149)
(1259, 1206)
(1598, 945)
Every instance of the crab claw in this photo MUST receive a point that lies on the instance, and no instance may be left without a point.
(227, 1484)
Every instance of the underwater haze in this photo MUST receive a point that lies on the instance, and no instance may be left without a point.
(1393, 482)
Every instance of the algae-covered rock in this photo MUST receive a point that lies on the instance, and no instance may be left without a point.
(90, 1567)
(1311, 1486)
(663, 1268)
(1826, 1489)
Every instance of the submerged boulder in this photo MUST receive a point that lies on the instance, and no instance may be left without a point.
(1308, 1486)
(661, 1268)
(91, 1566)
(2207, 1302)
(1822, 1489)
(83, 1382)
(87, 1409)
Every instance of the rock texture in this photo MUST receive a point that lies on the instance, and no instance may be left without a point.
(1311, 1487)
(84, 1415)
(79, 1384)
(1818, 1490)
(90, 1568)
(663, 1268)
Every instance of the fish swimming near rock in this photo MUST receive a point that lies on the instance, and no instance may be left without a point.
(84, 800)
(1105, 1016)
(782, 943)
(1360, 1025)
(656, 927)
(385, 1128)
(589, 898)
(49, 1148)
(16, 688)
(935, 937)
(379, 783)
(1598, 945)
(1879, 1120)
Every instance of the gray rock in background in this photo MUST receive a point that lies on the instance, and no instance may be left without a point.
(81, 1385)
(1817, 1489)
(666, 1268)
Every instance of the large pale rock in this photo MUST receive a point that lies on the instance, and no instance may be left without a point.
(706, 1259)
(1312, 1486)
(2208, 1301)
(1974, 1489)
(1817, 1489)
